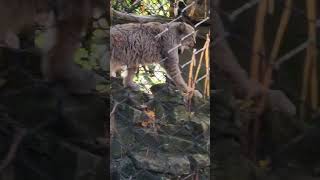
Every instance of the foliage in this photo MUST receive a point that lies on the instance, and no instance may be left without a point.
(143, 7)
(149, 76)
(87, 58)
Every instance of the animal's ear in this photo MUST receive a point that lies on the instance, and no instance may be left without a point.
(181, 27)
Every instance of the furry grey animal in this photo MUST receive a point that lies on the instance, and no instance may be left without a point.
(135, 44)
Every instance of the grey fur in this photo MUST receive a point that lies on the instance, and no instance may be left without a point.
(136, 44)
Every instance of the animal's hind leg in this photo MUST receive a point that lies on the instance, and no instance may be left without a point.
(128, 80)
(114, 67)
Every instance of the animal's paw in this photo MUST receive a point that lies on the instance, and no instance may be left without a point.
(194, 92)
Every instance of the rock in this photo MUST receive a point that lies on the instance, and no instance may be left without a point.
(200, 160)
(278, 101)
(169, 143)
(181, 114)
(176, 145)
(137, 116)
(176, 133)
(115, 149)
(168, 103)
(124, 166)
(198, 126)
(164, 163)
(177, 129)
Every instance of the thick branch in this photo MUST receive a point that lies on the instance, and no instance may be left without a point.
(120, 17)
(224, 59)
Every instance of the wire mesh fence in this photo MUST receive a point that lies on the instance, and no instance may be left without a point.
(160, 125)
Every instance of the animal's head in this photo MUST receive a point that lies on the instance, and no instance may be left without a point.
(186, 34)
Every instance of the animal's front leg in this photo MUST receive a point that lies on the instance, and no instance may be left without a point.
(128, 80)
(171, 65)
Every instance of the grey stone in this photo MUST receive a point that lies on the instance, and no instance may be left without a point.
(164, 163)
(200, 160)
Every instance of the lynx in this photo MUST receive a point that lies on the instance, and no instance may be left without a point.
(137, 44)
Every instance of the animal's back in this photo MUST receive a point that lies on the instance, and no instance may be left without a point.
(134, 44)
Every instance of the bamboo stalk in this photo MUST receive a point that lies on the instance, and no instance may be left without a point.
(314, 84)
(277, 43)
(311, 14)
(205, 86)
(191, 79)
(199, 66)
(205, 54)
(306, 74)
(270, 6)
(281, 30)
(263, 65)
(257, 41)
(207, 59)
(208, 88)
(192, 64)
(268, 75)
